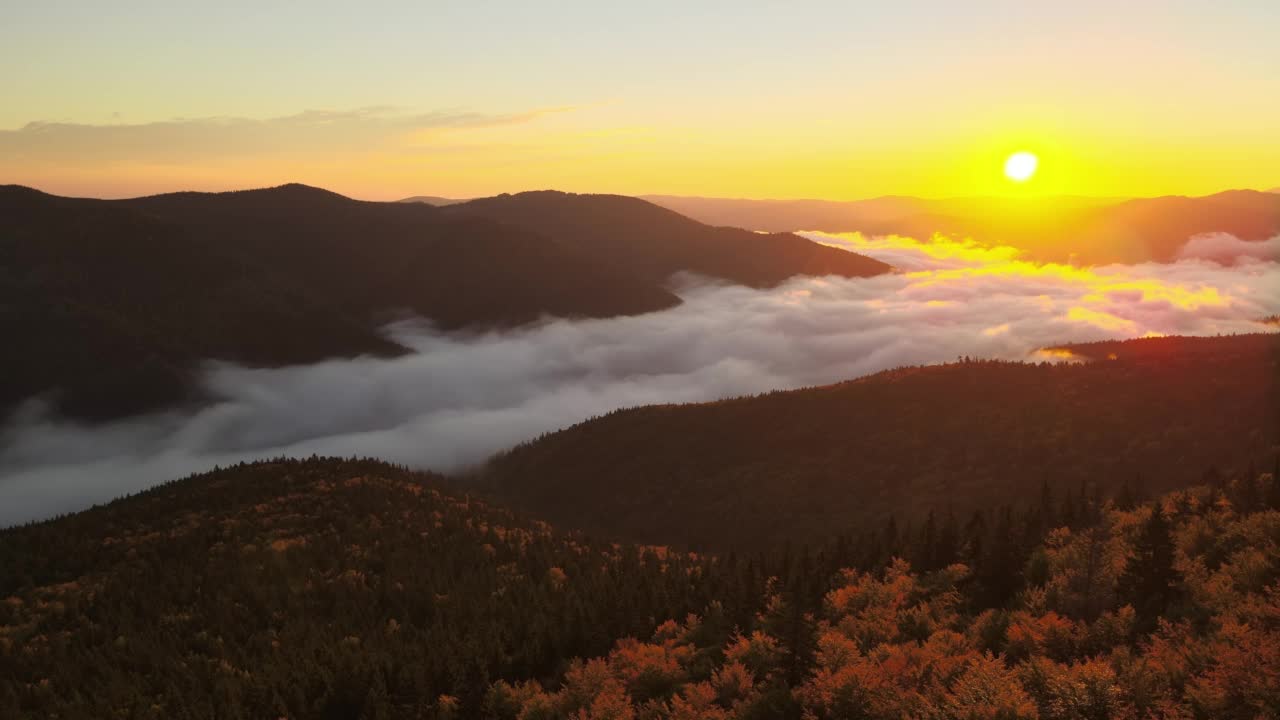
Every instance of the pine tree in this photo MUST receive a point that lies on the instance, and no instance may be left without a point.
(1068, 514)
(924, 556)
(1150, 582)
(974, 543)
(890, 539)
(1048, 514)
(1001, 575)
(1125, 499)
(1273, 489)
(948, 545)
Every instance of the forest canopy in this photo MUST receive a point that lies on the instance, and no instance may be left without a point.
(355, 589)
(802, 465)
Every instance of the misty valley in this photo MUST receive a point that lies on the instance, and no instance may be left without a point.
(604, 361)
(814, 474)
(130, 381)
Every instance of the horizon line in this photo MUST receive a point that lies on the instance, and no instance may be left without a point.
(656, 195)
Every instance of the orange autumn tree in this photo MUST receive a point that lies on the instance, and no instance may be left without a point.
(895, 643)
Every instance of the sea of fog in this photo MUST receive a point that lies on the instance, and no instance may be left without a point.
(461, 397)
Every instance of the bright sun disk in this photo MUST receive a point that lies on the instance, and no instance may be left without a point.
(1020, 166)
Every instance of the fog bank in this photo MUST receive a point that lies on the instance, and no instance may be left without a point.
(461, 397)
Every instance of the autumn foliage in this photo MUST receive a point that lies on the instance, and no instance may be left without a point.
(1200, 639)
(353, 589)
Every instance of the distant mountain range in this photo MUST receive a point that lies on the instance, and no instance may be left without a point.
(115, 303)
(756, 471)
(1086, 230)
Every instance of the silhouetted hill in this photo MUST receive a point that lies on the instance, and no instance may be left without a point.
(1089, 230)
(459, 272)
(655, 242)
(807, 463)
(116, 302)
(113, 303)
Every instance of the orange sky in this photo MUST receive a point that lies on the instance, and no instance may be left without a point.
(818, 99)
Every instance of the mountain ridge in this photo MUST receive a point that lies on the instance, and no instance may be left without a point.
(656, 242)
(793, 465)
(120, 300)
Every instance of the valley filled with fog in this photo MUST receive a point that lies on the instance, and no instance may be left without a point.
(460, 397)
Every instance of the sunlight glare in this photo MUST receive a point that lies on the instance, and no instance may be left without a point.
(1020, 166)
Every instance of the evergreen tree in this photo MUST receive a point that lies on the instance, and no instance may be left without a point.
(1150, 582)
(1068, 514)
(1000, 574)
(947, 547)
(1048, 511)
(1273, 489)
(1125, 499)
(924, 554)
(890, 538)
(973, 544)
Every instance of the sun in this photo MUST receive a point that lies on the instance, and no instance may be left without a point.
(1020, 166)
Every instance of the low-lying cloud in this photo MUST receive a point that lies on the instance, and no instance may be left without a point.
(1224, 248)
(461, 397)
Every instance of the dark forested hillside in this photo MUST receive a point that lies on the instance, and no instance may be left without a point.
(1162, 610)
(655, 242)
(114, 303)
(301, 588)
(344, 589)
(797, 465)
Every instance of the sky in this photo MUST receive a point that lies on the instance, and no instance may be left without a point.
(838, 100)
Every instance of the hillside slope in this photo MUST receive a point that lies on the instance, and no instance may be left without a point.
(802, 464)
(1159, 610)
(347, 589)
(116, 302)
(655, 242)
(309, 589)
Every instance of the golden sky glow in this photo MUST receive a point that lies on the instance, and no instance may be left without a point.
(821, 99)
(1114, 298)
